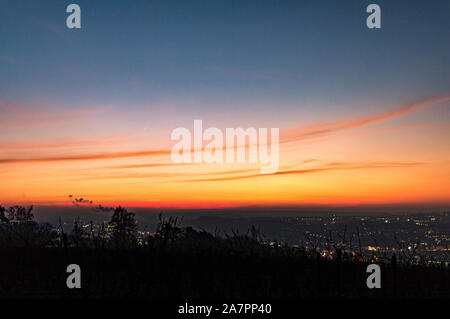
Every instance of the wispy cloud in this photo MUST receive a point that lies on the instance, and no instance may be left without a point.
(324, 129)
(85, 141)
(16, 115)
(328, 167)
(148, 165)
(292, 135)
(85, 157)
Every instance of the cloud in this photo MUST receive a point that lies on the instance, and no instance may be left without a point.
(324, 129)
(148, 165)
(15, 115)
(292, 135)
(329, 167)
(79, 202)
(85, 141)
(85, 157)
(101, 208)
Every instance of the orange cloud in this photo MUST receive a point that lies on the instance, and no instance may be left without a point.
(323, 129)
(90, 140)
(85, 157)
(296, 134)
(330, 167)
(148, 165)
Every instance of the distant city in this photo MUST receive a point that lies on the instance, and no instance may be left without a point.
(414, 238)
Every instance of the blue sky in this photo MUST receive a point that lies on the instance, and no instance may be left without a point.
(134, 52)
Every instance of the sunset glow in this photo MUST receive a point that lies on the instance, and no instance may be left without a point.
(85, 117)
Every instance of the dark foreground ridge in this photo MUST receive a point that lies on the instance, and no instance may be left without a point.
(181, 262)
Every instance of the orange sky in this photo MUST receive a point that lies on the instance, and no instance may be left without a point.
(399, 155)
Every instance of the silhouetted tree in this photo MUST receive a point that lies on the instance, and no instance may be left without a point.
(3, 218)
(77, 234)
(123, 227)
(19, 229)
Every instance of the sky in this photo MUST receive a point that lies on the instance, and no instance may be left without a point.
(363, 114)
